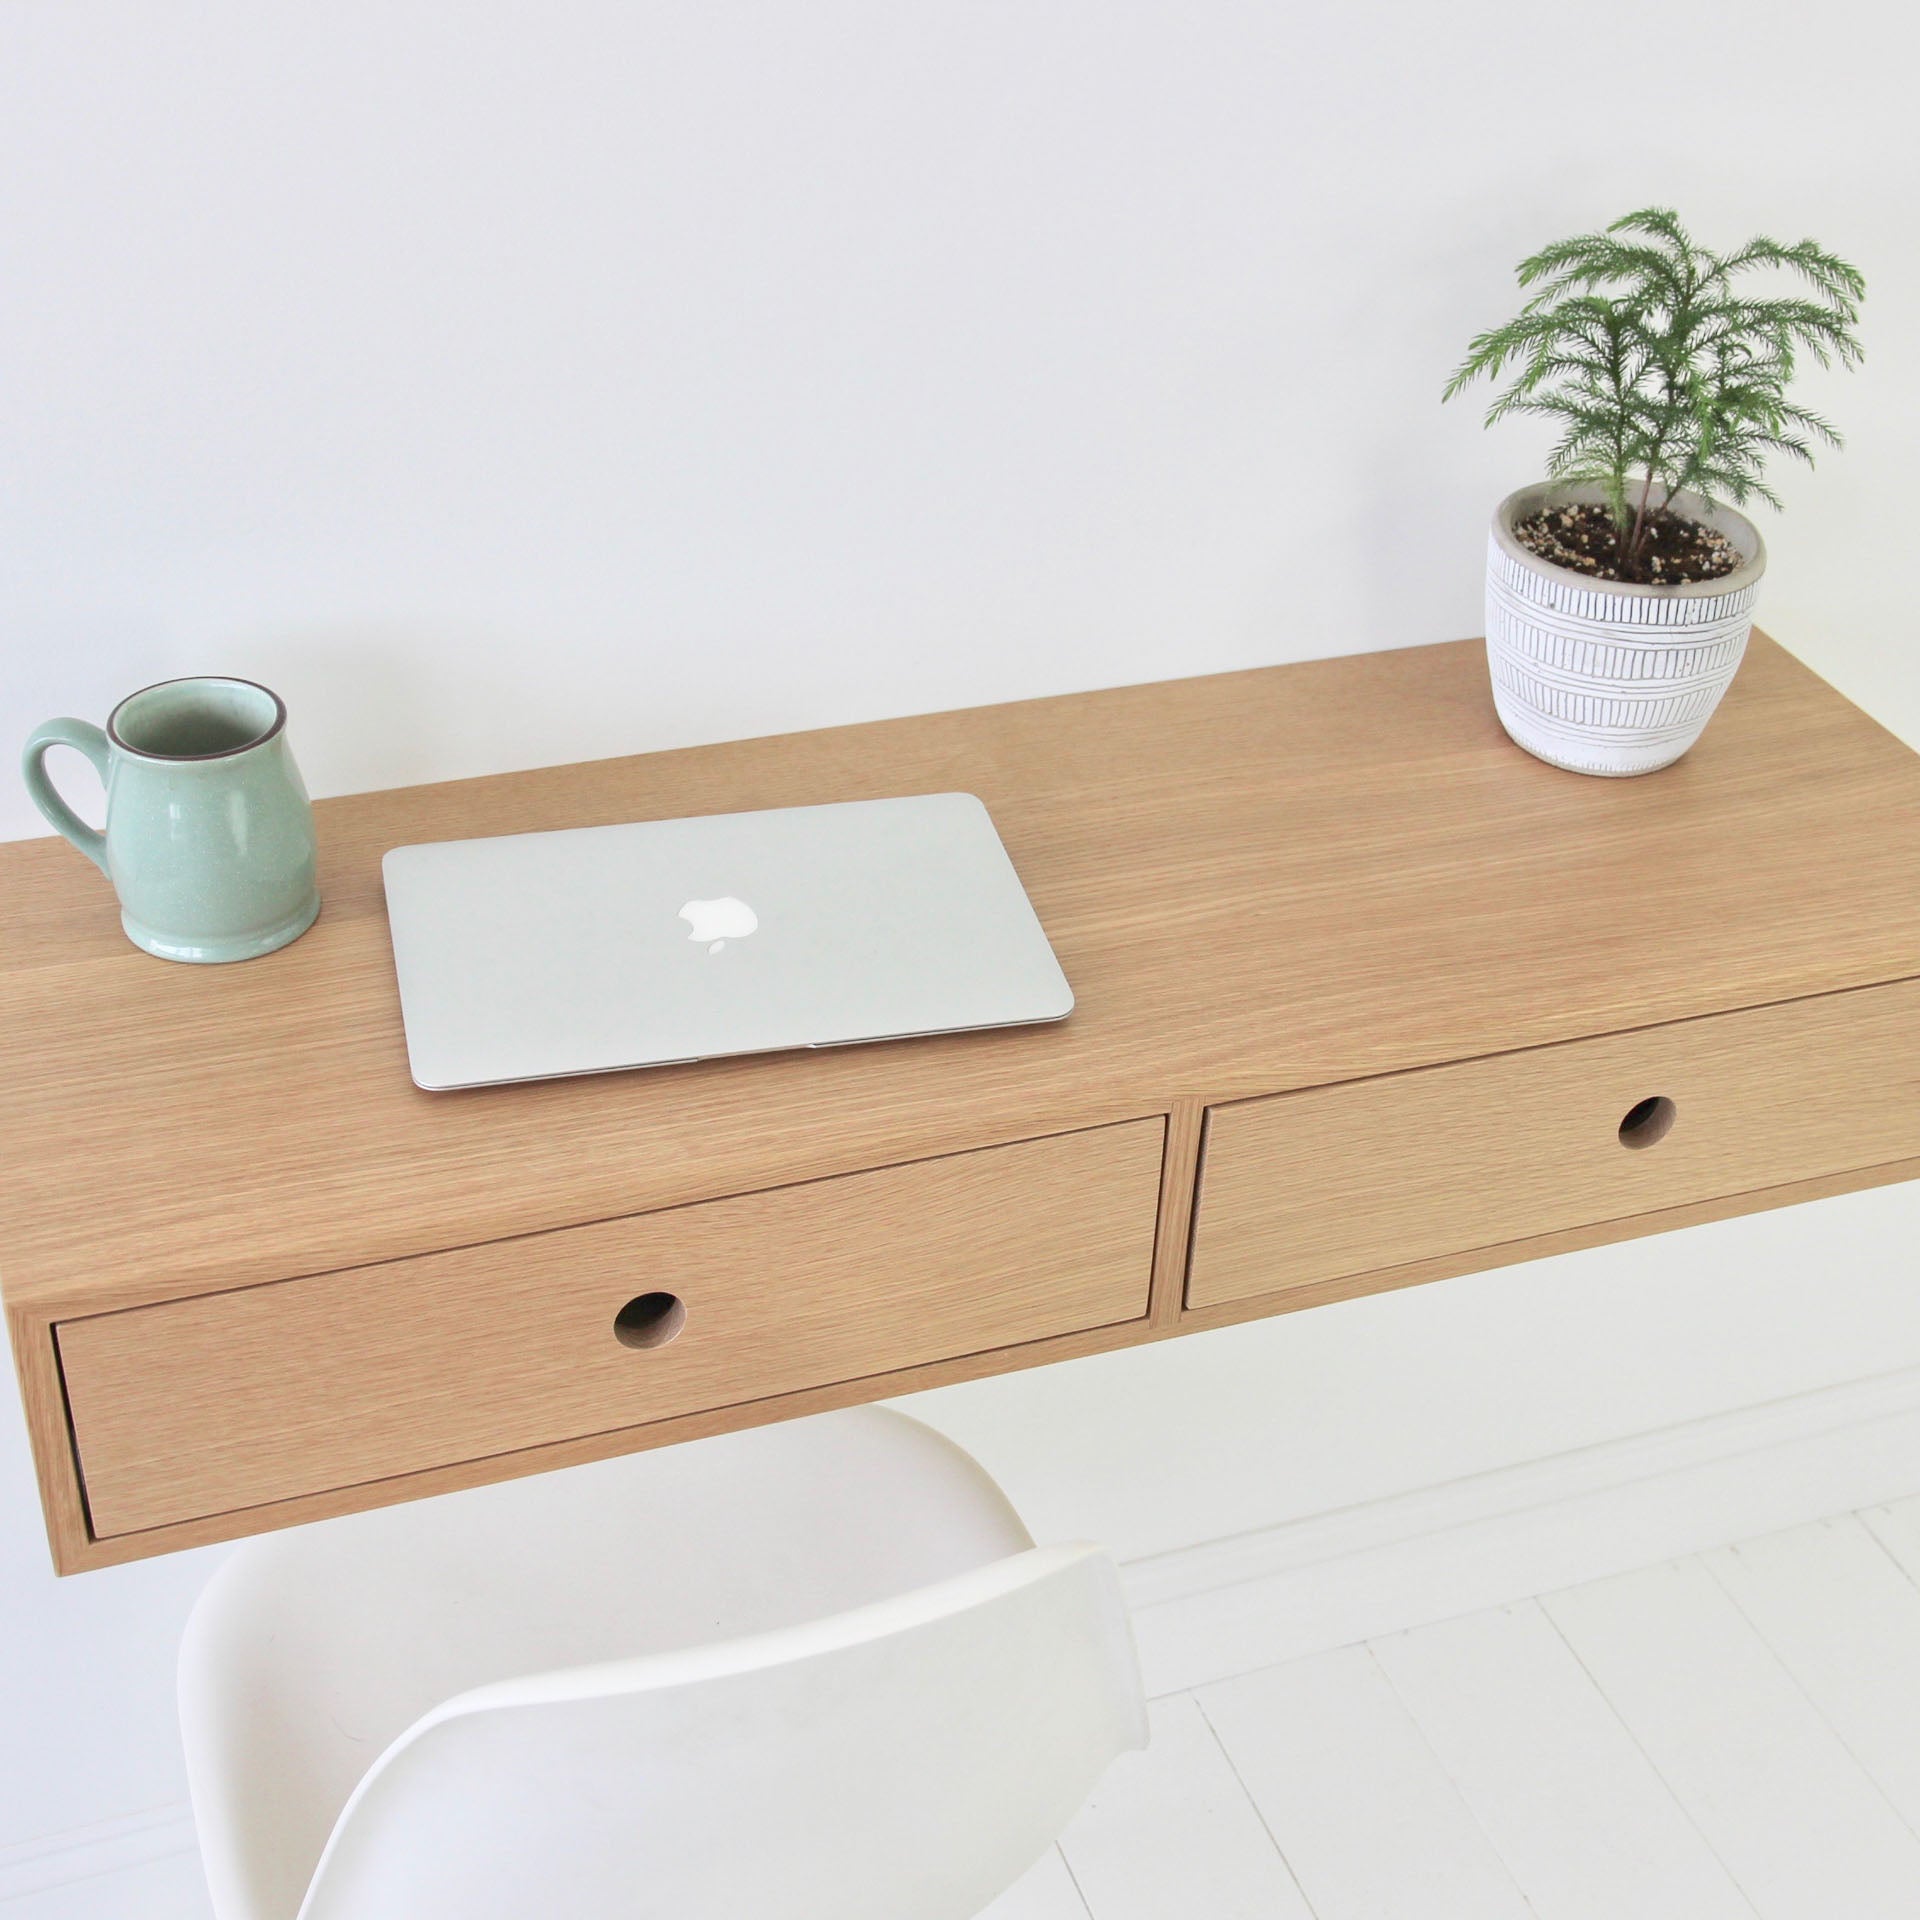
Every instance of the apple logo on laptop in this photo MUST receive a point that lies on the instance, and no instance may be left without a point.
(718, 921)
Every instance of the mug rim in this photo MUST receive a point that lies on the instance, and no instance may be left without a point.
(260, 739)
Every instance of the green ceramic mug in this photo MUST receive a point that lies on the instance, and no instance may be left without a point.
(209, 836)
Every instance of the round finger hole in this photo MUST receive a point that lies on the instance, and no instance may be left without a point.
(650, 1320)
(1648, 1121)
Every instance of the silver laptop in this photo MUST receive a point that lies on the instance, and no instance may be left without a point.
(667, 940)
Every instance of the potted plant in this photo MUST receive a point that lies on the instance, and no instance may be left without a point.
(1620, 592)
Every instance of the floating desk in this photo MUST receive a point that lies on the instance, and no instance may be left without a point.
(1366, 997)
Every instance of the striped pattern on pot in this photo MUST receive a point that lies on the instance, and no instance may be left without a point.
(1607, 682)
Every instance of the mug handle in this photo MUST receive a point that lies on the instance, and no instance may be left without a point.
(88, 738)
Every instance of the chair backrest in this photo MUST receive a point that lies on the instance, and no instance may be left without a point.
(312, 1650)
(906, 1760)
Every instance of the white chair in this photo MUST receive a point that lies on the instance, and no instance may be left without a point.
(817, 1671)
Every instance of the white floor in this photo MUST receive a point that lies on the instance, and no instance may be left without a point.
(1734, 1736)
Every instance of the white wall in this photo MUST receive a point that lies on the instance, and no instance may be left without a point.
(510, 383)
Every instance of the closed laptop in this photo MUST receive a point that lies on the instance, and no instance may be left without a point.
(538, 954)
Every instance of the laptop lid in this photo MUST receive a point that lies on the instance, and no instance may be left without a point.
(540, 954)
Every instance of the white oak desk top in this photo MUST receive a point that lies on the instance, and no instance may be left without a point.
(1256, 882)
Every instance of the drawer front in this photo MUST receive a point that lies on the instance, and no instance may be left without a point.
(1369, 1174)
(231, 1400)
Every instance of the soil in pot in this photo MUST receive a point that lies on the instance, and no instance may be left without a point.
(1674, 550)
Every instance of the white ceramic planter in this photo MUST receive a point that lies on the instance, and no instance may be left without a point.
(1600, 677)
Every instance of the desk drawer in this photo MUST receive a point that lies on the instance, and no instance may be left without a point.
(1369, 1174)
(231, 1400)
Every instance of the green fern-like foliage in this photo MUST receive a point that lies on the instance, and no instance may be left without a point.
(1661, 372)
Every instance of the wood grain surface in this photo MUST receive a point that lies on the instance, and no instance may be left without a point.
(1348, 1179)
(75, 1549)
(1258, 883)
(234, 1399)
(1255, 882)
